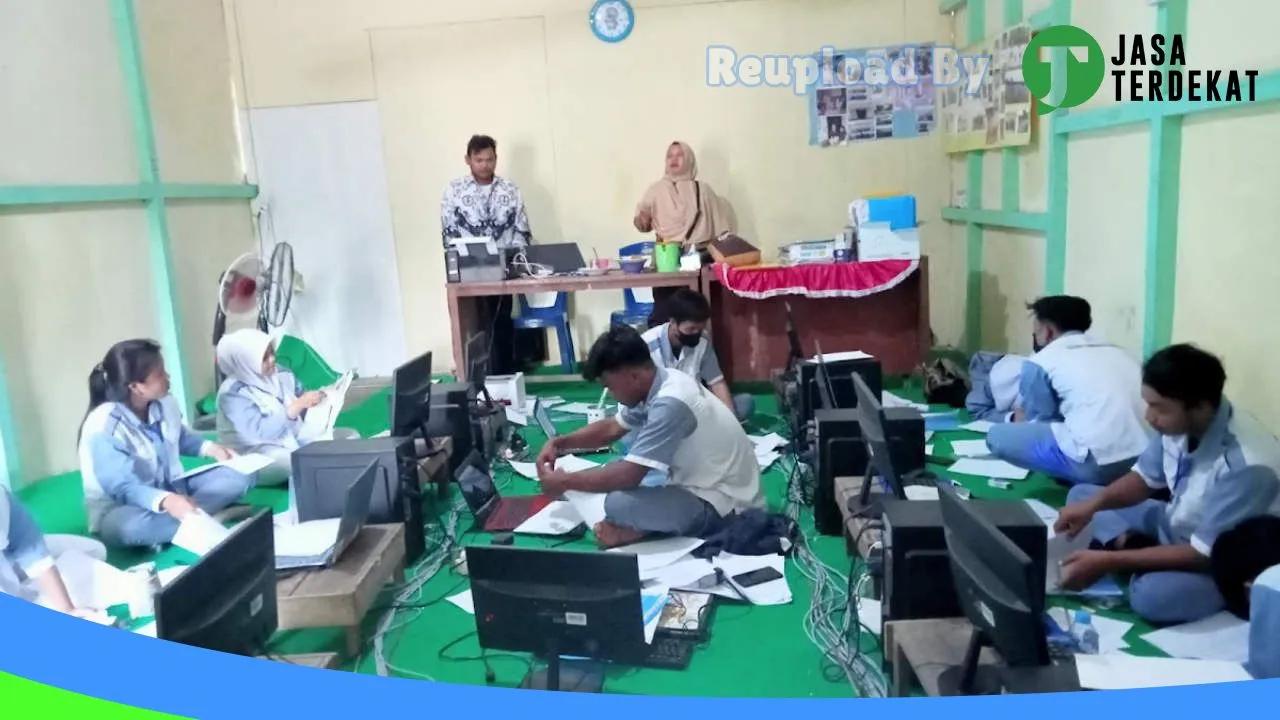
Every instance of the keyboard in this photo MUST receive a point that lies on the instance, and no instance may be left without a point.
(669, 653)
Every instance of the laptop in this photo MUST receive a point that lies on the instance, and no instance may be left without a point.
(494, 513)
(562, 258)
(541, 415)
(318, 544)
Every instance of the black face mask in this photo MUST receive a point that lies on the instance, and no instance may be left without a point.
(690, 340)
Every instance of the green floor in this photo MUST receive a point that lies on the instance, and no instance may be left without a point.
(754, 651)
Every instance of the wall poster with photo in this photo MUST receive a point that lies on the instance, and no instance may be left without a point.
(1002, 113)
(854, 102)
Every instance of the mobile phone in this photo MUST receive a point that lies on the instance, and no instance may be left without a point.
(757, 577)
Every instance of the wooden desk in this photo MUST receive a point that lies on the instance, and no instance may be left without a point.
(341, 595)
(751, 340)
(464, 314)
(920, 651)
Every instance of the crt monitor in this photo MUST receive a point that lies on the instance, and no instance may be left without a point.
(558, 603)
(879, 459)
(227, 601)
(411, 397)
(996, 584)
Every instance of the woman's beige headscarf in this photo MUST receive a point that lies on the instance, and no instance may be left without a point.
(673, 202)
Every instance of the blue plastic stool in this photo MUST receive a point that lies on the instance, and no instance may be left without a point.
(555, 317)
(633, 312)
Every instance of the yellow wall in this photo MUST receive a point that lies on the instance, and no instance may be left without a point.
(75, 280)
(1225, 286)
(582, 125)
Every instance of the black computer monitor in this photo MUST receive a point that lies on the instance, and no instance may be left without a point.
(411, 397)
(227, 601)
(477, 359)
(826, 393)
(996, 583)
(879, 459)
(558, 603)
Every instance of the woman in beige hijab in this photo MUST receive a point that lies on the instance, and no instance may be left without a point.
(679, 207)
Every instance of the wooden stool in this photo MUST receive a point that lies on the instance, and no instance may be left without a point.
(341, 595)
(922, 650)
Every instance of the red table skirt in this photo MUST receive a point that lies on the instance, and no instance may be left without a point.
(827, 280)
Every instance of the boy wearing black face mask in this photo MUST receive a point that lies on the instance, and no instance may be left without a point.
(682, 344)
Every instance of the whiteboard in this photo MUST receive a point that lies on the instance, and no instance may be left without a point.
(323, 189)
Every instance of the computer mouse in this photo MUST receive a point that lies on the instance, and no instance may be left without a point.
(503, 539)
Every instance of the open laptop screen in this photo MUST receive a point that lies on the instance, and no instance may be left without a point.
(541, 415)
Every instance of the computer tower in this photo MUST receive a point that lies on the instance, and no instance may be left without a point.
(840, 373)
(841, 452)
(322, 472)
(917, 580)
(451, 405)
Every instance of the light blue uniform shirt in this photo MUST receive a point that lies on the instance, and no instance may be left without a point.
(1264, 625)
(251, 420)
(125, 461)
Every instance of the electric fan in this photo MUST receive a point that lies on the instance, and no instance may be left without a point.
(247, 287)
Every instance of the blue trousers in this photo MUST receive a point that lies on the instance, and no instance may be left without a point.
(211, 491)
(1160, 598)
(744, 406)
(666, 510)
(1031, 445)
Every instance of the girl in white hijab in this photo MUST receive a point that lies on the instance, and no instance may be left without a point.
(260, 407)
(27, 557)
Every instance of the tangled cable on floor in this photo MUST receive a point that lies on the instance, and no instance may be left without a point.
(833, 611)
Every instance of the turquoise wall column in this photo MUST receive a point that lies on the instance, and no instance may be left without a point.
(153, 192)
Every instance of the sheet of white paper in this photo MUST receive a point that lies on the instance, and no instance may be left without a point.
(978, 426)
(307, 539)
(1117, 671)
(168, 575)
(198, 533)
(682, 574)
(928, 449)
(1110, 632)
(1057, 550)
(244, 464)
(464, 602)
(573, 463)
(1218, 637)
(869, 614)
(989, 468)
(839, 356)
(577, 408)
(94, 584)
(767, 459)
(148, 630)
(928, 435)
(970, 448)
(921, 492)
(888, 399)
(320, 420)
(655, 554)
(525, 469)
(558, 518)
(772, 441)
(777, 592)
(515, 417)
(589, 506)
(384, 433)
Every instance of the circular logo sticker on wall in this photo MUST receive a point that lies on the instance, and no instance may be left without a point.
(612, 20)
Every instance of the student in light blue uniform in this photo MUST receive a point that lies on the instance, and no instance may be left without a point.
(1081, 418)
(131, 442)
(682, 343)
(994, 395)
(260, 407)
(1217, 464)
(27, 558)
(1246, 567)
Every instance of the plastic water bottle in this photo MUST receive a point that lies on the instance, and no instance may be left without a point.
(1085, 634)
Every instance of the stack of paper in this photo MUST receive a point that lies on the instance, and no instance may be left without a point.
(94, 584)
(243, 464)
(1117, 671)
(970, 448)
(320, 420)
(988, 467)
(306, 541)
